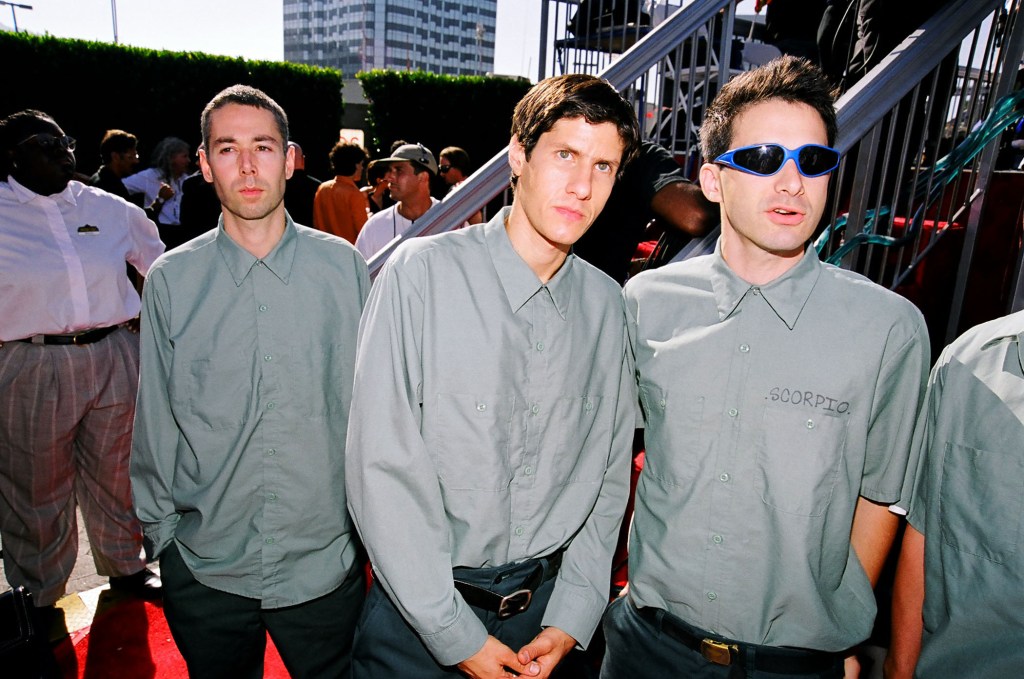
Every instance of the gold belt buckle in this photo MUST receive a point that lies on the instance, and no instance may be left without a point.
(717, 652)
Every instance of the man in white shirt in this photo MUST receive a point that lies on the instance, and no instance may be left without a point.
(68, 365)
(410, 169)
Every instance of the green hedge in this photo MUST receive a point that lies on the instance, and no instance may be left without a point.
(473, 112)
(89, 87)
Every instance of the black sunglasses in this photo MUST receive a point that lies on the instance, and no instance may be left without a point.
(47, 142)
(764, 160)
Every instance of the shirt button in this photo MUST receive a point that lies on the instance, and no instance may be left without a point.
(481, 407)
(540, 346)
(269, 541)
(712, 596)
(535, 409)
(263, 307)
(733, 412)
(589, 405)
(661, 403)
(268, 357)
(744, 348)
(272, 451)
(756, 291)
(519, 530)
(724, 477)
(810, 424)
(528, 471)
(717, 539)
(272, 497)
(270, 406)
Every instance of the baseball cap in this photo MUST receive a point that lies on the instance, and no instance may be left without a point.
(414, 153)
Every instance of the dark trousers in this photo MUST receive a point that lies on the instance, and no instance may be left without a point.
(223, 635)
(386, 647)
(636, 649)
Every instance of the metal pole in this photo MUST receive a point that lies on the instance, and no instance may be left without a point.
(113, 16)
(14, 14)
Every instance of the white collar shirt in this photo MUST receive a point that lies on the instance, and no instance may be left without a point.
(62, 259)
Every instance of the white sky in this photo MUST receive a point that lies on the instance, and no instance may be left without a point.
(246, 28)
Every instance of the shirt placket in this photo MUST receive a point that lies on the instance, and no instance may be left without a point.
(733, 465)
(524, 496)
(78, 294)
(276, 453)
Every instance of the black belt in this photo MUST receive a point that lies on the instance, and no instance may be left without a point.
(721, 651)
(514, 603)
(78, 338)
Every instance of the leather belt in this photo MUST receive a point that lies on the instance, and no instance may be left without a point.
(78, 338)
(518, 601)
(721, 651)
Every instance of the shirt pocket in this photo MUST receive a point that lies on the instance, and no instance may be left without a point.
(673, 426)
(219, 391)
(574, 457)
(471, 450)
(980, 501)
(798, 459)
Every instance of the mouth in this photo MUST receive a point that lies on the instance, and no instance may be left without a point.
(569, 213)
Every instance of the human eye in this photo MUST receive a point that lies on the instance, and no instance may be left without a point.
(564, 154)
(604, 166)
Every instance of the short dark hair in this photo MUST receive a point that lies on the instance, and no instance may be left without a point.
(244, 95)
(457, 158)
(117, 141)
(15, 128)
(574, 95)
(375, 171)
(345, 156)
(792, 79)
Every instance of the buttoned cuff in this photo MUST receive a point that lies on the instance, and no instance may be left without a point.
(158, 536)
(460, 640)
(574, 612)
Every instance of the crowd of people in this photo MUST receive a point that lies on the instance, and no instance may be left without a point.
(263, 419)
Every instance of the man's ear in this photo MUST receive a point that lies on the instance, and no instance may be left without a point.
(516, 156)
(204, 165)
(289, 162)
(710, 182)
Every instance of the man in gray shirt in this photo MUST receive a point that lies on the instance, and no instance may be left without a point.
(493, 414)
(762, 515)
(958, 607)
(248, 349)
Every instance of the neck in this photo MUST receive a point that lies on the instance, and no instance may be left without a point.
(256, 236)
(753, 264)
(542, 256)
(414, 208)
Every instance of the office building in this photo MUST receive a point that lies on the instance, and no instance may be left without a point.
(453, 37)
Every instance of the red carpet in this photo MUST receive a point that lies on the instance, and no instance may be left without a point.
(131, 641)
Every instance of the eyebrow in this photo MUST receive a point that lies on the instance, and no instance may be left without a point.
(227, 139)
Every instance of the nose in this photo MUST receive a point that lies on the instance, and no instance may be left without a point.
(581, 182)
(789, 179)
(247, 166)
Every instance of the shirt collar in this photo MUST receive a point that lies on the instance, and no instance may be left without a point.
(1010, 337)
(517, 278)
(240, 261)
(786, 295)
(24, 194)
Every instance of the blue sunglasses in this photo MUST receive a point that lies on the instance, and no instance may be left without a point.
(764, 160)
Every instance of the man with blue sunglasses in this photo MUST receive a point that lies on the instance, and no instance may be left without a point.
(762, 514)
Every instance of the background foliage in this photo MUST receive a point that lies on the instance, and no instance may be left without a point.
(89, 87)
(473, 112)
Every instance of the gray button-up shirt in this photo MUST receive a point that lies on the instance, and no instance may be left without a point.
(769, 410)
(968, 501)
(246, 380)
(492, 420)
